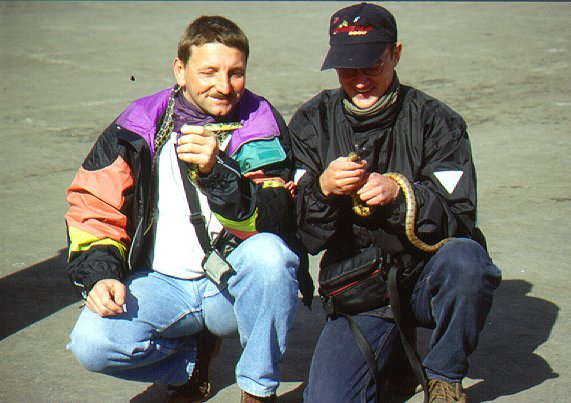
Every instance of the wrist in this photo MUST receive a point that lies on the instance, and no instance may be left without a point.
(206, 170)
(322, 188)
(397, 191)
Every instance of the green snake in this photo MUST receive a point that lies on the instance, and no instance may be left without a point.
(222, 131)
(360, 208)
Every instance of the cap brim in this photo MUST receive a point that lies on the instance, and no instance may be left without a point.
(353, 56)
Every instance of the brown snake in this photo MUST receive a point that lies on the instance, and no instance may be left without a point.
(360, 208)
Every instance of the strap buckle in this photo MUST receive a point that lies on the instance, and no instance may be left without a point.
(197, 218)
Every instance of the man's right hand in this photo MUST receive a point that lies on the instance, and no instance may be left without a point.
(343, 176)
(199, 146)
(107, 297)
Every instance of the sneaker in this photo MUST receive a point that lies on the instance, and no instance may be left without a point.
(248, 398)
(440, 391)
(198, 388)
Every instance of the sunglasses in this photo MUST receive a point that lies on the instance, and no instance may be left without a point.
(370, 71)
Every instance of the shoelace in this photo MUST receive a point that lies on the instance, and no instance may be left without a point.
(439, 390)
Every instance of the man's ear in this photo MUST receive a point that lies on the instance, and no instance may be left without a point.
(178, 68)
(397, 52)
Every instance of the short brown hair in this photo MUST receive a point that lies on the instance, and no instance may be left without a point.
(212, 29)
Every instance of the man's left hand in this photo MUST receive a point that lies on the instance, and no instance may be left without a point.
(378, 190)
(199, 146)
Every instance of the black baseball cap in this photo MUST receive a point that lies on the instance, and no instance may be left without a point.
(358, 35)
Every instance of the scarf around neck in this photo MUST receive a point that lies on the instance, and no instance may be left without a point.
(383, 103)
(185, 113)
(380, 115)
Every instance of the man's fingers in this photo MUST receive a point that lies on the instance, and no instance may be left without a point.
(190, 148)
(194, 138)
(197, 144)
(378, 190)
(190, 129)
(119, 294)
(102, 298)
(345, 164)
(99, 308)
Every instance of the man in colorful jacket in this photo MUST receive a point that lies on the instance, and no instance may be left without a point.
(384, 165)
(135, 255)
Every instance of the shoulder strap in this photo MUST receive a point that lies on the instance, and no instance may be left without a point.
(196, 216)
(367, 352)
(406, 331)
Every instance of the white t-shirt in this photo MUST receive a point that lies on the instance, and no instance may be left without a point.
(177, 252)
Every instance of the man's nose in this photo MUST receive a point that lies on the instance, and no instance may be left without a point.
(223, 84)
(360, 79)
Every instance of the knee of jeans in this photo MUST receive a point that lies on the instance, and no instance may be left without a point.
(467, 265)
(90, 349)
(270, 258)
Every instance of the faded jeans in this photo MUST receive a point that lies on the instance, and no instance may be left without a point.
(452, 296)
(153, 341)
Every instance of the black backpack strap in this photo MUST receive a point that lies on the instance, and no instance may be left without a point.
(196, 216)
(406, 332)
(366, 350)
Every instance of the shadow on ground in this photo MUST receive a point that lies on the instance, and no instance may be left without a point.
(505, 363)
(34, 293)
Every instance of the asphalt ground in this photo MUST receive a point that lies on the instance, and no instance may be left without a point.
(67, 69)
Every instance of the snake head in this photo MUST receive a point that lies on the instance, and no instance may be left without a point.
(223, 130)
(355, 155)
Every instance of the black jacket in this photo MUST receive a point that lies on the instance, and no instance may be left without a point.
(418, 136)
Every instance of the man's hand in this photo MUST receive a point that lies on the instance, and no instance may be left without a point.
(343, 176)
(199, 146)
(107, 297)
(378, 190)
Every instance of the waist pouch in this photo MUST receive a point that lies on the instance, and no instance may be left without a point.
(365, 282)
(355, 284)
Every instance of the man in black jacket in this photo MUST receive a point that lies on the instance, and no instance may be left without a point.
(381, 164)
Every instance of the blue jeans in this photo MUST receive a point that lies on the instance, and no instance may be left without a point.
(154, 340)
(452, 296)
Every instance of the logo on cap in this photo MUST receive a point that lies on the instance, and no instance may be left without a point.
(345, 28)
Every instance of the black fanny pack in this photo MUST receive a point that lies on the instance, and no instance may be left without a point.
(355, 284)
(363, 283)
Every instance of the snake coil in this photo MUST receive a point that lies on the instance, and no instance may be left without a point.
(362, 209)
(410, 217)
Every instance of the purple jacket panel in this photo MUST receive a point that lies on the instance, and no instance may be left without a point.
(143, 115)
(258, 120)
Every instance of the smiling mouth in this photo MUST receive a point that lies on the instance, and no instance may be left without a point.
(363, 93)
(219, 99)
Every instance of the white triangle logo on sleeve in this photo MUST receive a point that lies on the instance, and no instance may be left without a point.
(298, 174)
(449, 179)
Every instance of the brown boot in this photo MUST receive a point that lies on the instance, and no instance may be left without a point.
(440, 391)
(248, 398)
(198, 387)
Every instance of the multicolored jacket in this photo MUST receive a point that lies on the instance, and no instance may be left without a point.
(110, 197)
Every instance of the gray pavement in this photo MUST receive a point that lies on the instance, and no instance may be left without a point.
(65, 73)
